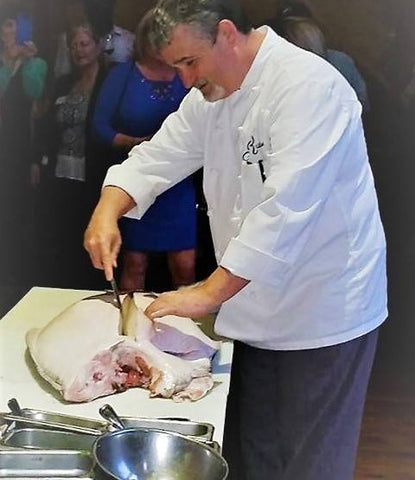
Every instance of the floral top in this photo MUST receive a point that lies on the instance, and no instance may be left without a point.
(71, 114)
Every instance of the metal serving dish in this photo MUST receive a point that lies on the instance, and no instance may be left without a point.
(149, 454)
(48, 439)
(45, 463)
(55, 421)
(196, 430)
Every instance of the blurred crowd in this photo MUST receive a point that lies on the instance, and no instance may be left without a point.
(62, 126)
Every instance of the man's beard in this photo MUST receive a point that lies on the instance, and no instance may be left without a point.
(213, 92)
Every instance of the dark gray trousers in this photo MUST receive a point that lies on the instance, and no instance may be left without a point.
(296, 415)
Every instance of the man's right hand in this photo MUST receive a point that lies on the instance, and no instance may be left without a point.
(102, 237)
(102, 240)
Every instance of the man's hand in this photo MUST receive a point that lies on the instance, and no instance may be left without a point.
(188, 302)
(102, 238)
(200, 299)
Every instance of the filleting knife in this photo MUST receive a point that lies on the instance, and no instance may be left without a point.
(116, 293)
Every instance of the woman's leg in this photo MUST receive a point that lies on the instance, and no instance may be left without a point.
(134, 266)
(182, 267)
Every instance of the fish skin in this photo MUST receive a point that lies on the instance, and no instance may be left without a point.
(82, 355)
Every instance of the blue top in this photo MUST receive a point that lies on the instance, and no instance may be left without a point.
(131, 104)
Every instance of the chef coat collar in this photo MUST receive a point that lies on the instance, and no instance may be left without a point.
(250, 82)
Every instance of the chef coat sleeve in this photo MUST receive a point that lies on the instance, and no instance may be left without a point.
(172, 154)
(311, 128)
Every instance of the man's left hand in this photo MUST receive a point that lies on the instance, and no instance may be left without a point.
(199, 299)
(190, 302)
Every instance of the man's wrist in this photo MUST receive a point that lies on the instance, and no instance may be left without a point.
(221, 285)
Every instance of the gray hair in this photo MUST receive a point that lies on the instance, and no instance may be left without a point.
(202, 15)
(305, 33)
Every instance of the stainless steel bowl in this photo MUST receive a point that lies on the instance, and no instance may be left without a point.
(149, 454)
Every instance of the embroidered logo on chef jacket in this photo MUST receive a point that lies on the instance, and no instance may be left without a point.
(253, 154)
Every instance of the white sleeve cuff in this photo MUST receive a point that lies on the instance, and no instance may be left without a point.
(143, 197)
(251, 264)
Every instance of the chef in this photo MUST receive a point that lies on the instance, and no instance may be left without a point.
(301, 281)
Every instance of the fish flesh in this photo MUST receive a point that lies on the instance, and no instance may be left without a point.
(89, 350)
(179, 336)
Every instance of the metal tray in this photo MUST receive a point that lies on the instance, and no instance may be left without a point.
(37, 438)
(196, 430)
(55, 421)
(45, 463)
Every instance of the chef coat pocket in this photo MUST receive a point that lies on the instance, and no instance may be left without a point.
(251, 186)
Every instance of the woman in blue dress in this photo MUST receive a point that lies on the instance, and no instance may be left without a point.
(133, 102)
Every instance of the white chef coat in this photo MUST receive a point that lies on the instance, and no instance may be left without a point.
(309, 237)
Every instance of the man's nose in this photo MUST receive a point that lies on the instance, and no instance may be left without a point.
(188, 78)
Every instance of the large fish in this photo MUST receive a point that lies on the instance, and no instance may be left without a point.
(90, 350)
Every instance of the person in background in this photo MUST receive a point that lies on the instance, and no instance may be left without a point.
(295, 23)
(134, 100)
(301, 281)
(65, 140)
(22, 80)
(305, 33)
(289, 8)
(117, 43)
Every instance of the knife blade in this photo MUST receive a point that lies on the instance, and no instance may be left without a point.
(116, 294)
(117, 299)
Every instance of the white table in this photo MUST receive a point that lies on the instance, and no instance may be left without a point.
(19, 378)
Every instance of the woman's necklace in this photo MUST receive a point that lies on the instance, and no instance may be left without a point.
(160, 89)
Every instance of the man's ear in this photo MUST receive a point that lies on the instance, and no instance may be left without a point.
(227, 32)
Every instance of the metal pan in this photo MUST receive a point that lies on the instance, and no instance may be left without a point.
(45, 463)
(37, 438)
(196, 430)
(55, 421)
(200, 431)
